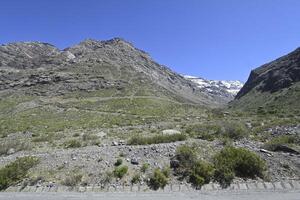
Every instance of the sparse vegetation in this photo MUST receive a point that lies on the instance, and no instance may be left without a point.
(145, 167)
(288, 140)
(118, 162)
(16, 171)
(120, 171)
(72, 180)
(135, 179)
(240, 162)
(196, 171)
(157, 180)
(14, 145)
(142, 140)
(233, 130)
(73, 143)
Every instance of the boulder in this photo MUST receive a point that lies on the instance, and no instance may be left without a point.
(170, 132)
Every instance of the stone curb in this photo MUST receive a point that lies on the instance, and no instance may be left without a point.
(259, 186)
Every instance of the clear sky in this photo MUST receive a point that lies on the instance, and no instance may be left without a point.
(214, 39)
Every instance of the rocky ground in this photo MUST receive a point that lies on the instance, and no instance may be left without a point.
(94, 161)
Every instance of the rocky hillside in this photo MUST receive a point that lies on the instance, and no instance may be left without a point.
(224, 89)
(274, 86)
(42, 69)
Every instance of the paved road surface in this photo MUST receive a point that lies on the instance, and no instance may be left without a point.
(267, 195)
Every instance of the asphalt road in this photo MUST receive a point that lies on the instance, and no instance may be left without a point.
(267, 195)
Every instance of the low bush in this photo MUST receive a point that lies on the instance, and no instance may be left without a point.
(157, 180)
(201, 173)
(118, 162)
(281, 140)
(142, 140)
(72, 144)
(120, 171)
(186, 157)
(233, 130)
(72, 180)
(202, 131)
(106, 178)
(89, 136)
(16, 171)
(196, 171)
(145, 167)
(135, 179)
(231, 161)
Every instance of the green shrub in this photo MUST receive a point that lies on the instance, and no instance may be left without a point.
(106, 178)
(166, 171)
(118, 162)
(196, 180)
(72, 180)
(72, 144)
(202, 131)
(89, 136)
(16, 171)
(233, 130)
(142, 140)
(157, 180)
(145, 167)
(120, 171)
(135, 179)
(186, 157)
(231, 161)
(281, 140)
(201, 169)
(196, 171)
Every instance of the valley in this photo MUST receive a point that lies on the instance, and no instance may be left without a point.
(103, 113)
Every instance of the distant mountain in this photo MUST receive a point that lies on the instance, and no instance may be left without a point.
(224, 89)
(274, 86)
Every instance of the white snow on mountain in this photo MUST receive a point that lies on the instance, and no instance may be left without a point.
(217, 87)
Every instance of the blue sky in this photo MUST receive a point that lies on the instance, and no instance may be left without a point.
(215, 39)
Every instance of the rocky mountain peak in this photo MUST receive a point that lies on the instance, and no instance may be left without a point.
(274, 76)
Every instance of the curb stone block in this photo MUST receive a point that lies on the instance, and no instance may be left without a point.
(89, 189)
(184, 188)
(216, 186)
(126, 189)
(208, 187)
(260, 186)
(97, 189)
(81, 189)
(296, 184)
(269, 186)
(235, 186)
(134, 188)
(13, 189)
(287, 185)
(243, 186)
(62, 189)
(278, 186)
(53, 189)
(252, 186)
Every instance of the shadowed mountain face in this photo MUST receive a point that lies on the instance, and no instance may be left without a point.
(274, 84)
(42, 69)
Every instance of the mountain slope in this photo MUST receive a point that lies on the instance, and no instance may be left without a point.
(92, 85)
(274, 86)
(91, 65)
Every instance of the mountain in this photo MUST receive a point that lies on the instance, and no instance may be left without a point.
(274, 86)
(91, 85)
(43, 69)
(225, 89)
